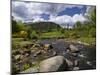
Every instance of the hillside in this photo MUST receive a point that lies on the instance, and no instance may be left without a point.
(44, 26)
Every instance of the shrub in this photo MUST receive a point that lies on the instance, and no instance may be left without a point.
(15, 35)
(73, 35)
(26, 66)
(92, 32)
(33, 35)
(23, 34)
(62, 30)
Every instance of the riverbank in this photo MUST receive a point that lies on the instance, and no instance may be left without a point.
(27, 54)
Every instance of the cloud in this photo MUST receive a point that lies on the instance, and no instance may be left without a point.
(66, 20)
(61, 19)
(78, 17)
(38, 19)
(31, 11)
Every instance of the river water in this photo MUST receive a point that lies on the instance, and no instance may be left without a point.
(86, 56)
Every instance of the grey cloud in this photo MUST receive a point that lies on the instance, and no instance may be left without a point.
(31, 10)
(28, 11)
(20, 11)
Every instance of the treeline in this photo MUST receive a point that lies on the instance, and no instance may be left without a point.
(33, 30)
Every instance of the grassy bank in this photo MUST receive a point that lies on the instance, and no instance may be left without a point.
(50, 35)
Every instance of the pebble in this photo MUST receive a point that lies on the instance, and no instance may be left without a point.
(76, 63)
(89, 63)
(76, 68)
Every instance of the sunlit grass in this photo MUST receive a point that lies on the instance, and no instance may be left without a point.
(87, 40)
(52, 35)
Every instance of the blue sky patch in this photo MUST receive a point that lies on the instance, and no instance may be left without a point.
(45, 16)
(72, 11)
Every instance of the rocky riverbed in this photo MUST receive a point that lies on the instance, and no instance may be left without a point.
(75, 55)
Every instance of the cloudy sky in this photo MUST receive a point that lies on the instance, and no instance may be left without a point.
(62, 14)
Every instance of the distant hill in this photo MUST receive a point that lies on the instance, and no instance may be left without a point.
(44, 26)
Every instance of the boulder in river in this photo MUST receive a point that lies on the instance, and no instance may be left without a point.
(73, 48)
(57, 63)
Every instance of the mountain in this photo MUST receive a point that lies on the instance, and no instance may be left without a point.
(44, 26)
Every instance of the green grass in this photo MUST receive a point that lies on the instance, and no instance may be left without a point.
(52, 35)
(87, 40)
(19, 41)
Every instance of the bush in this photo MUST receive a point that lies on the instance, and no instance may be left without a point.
(92, 32)
(26, 66)
(33, 35)
(73, 35)
(15, 35)
(23, 34)
(62, 30)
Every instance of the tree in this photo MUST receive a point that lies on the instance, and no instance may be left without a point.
(14, 26)
(23, 34)
(21, 26)
(92, 15)
(33, 35)
(78, 26)
(92, 32)
(17, 26)
(29, 30)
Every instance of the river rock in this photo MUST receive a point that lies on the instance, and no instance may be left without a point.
(76, 68)
(57, 63)
(73, 48)
(22, 52)
(27, 51)
(47, 46)
(76, 63)
(26, 55)
(74, 54)
(22, 57)
(15, 52)
(54, 53)
(89, 63)
(17, 57)
(37, 53)
(83, 43)
(82, 55)
(32, 51)
(37, 45)
(70, 63)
